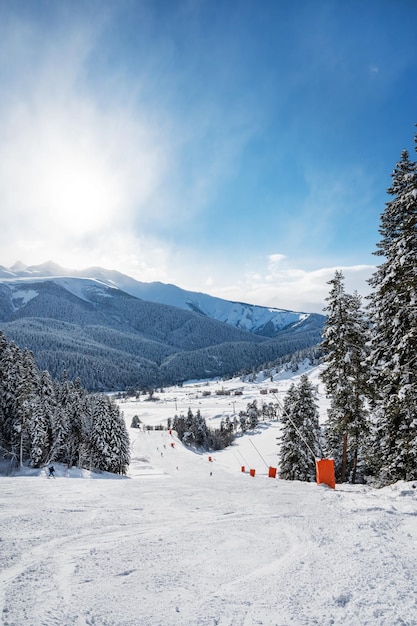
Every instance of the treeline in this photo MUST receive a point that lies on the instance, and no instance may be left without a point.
(231, 359)
(192, 429)
(369, 357)
(109, 360)
(290, 362)
(44, 420)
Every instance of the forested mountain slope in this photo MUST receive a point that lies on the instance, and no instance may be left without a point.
(113, 340)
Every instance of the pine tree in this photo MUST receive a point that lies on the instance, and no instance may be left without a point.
(100, 434)
(253, 414)
(300, 441)
(109, 440)
(393, 311)
(10, 379)
(345, 376)
(200, 430)
(119, 445)
(40, 425)
(243, 421)
(27, 402)
(178, 424)
(188, 437)
(61, 425)
(77, 409)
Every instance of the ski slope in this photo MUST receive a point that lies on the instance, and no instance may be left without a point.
(184, 541)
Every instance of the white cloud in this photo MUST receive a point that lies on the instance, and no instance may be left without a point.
(275, 259)
(294, 288)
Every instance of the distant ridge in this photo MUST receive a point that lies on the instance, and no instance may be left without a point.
(264, 321)
(112, 332)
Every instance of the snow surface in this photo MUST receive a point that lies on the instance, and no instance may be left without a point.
(83, 288)
(172, 545)
(21, 297)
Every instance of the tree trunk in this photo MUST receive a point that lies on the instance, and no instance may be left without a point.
(355, 465)
(21, 448)
(344, 458)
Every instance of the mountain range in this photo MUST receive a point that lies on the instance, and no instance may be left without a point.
(114, 332)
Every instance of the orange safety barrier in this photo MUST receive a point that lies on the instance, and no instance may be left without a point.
(272, 472)
(325, 472)
(252, 472)
(243, 468)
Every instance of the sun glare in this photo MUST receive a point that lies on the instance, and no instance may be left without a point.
(81, 193)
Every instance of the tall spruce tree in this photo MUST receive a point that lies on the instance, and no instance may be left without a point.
(10, 379)
(345, 375)
(109, 439)
(41, 422)
(301, 438)
(27, 402)
(393, 311)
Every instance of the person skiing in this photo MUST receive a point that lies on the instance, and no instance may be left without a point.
(51, 471)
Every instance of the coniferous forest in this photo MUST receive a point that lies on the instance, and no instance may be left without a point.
(370, 361)
(42, 420)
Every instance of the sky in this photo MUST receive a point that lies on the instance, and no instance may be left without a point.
(242, 148)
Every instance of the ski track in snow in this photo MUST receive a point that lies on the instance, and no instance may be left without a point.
(173, 546)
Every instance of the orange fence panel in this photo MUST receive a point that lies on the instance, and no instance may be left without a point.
(252, 472)
(325, 472)
(272, 472)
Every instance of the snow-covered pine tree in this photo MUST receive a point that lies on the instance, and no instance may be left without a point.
(27, 402)
(10, 379)
(119, 444)
(300, 441)
(109, 440)
(188, 437)
(345, 375)
(253, 414)
(41, 422)
(393, 312)
(38, 412)
(77, 408)
(178, 424)
(100, 433)
(200, 430)
(61, 425)
(290, 438)
(243, 421)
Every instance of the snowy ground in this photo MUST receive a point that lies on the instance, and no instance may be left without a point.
(173, 545)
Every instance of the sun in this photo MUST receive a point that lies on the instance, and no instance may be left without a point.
(79, 189)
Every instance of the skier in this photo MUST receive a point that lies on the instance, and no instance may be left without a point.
(51, 471)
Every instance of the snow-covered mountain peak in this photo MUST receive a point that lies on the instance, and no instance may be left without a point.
(18, 266)
(252, 318)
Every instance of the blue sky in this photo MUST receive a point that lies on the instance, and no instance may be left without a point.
(242, 148)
